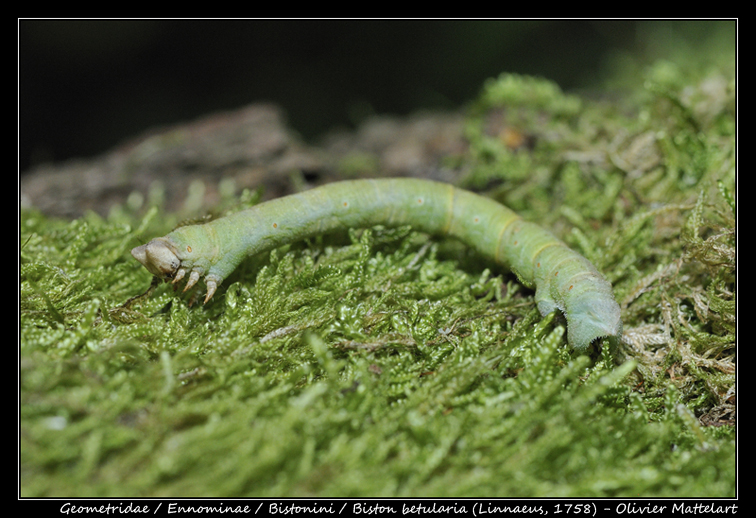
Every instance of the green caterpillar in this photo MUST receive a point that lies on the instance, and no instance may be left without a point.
(562, 278)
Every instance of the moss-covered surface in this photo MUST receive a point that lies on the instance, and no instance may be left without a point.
(387, 363)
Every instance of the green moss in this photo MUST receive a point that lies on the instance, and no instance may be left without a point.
(392, 364)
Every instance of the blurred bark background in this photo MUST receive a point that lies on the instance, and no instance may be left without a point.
(109, 107)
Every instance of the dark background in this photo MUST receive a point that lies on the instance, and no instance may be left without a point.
(85, 86)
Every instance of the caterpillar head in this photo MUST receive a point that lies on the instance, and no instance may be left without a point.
(159, 257)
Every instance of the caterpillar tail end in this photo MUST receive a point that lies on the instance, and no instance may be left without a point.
(601, 319)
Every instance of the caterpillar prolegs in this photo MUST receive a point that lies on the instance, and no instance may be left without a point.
(562, 278)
